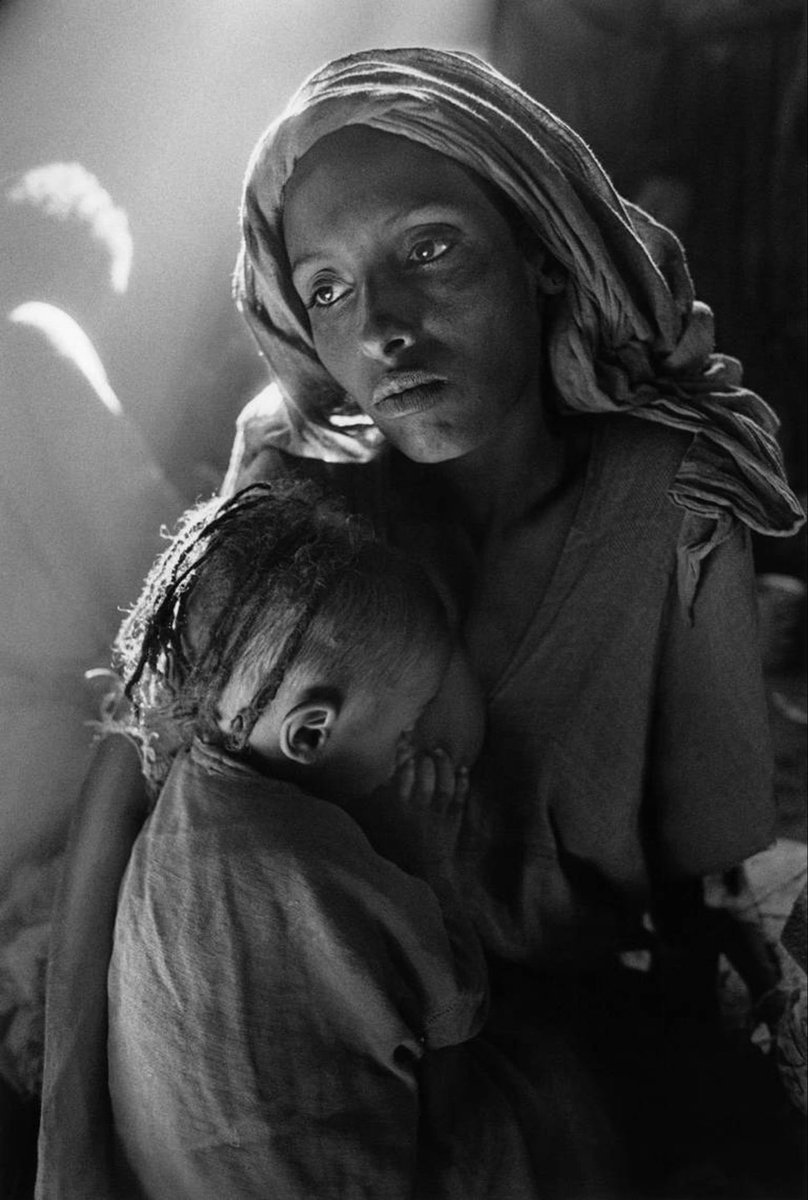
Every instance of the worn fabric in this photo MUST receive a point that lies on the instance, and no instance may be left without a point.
(627, 740)
(273, 988)
(633, 739)
(628, 333)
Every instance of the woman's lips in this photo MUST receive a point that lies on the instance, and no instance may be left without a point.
(407, 393)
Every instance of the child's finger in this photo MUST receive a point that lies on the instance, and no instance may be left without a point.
(405, 778)
(404, 749)
(444, 774)
(461, 788)
(426, 776)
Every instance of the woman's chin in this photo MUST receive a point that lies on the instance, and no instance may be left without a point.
(433, 443)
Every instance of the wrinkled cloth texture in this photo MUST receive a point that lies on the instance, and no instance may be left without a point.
(628, 333)
(627, 752)
(625, 744)
(273, 987)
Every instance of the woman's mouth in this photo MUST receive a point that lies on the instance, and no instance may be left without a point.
(406, 393)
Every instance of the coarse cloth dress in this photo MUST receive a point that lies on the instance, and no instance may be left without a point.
(627, 739)
(280, 996)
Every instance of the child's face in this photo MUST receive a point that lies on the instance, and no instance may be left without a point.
(435, 703)
(348, 740)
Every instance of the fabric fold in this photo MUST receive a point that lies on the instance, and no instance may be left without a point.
(627, 334)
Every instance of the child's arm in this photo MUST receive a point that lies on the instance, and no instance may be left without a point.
(415, 822)
(432, 795)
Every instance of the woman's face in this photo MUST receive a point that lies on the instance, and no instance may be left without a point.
(421, 306)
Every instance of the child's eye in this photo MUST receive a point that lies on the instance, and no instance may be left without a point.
(325, 294)
(426, 250)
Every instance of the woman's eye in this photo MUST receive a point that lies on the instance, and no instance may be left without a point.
(325, 294)
(428, 249)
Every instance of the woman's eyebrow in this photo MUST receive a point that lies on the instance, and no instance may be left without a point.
(432, 212)
(303, 259)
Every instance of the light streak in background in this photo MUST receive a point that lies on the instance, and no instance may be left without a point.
(67, 190)
(163, 101)
(68, 339)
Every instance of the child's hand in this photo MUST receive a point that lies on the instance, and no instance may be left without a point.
(431, 794)
(430, 782)
(415, 818)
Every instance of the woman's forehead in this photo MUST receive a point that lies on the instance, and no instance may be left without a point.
(369, 166)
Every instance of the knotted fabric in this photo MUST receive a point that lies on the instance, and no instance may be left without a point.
(628, 333)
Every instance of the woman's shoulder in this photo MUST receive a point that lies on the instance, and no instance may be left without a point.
(633, 467)
(634, 440)
(628, 509)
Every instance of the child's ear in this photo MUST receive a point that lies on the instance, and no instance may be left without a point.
(306, 728)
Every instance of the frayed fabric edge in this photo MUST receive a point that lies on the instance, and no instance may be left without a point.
(113, 718)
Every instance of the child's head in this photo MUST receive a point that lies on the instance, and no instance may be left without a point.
(280, 628)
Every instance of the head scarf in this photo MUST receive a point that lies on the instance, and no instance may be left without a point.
(628, 335)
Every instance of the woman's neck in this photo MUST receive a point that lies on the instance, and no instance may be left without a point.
(526, 462)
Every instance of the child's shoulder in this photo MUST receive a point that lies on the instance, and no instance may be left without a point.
(212, 795)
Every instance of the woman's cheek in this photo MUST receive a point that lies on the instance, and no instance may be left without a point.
(331, 344)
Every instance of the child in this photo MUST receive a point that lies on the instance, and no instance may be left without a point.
(275, 980)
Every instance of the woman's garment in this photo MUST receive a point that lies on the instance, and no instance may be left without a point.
(626, 334)
(627, 741)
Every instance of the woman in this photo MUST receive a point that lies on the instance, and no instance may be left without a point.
(502, 361)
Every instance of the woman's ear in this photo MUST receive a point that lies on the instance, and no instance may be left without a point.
(549, 274)
(306, 728)
(545, 270)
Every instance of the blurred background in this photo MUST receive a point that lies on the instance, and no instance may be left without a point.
(163, 102)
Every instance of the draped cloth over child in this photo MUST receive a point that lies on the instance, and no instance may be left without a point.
(628, 335)
(276, 990)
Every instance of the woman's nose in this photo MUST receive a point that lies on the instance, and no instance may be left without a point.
(388, 322)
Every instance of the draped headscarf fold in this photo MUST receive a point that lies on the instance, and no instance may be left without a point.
(628, 333)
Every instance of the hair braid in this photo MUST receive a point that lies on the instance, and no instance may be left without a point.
(282, 540)
(250, 586)
(244, 721)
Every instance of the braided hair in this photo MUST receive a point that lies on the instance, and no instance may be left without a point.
(250, 586)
